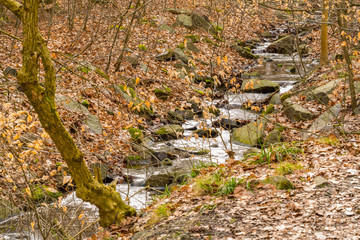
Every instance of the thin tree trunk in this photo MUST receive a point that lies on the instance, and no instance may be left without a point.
(324, 33)
(111, 207)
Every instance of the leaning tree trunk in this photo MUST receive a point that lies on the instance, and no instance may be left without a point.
(111, 207)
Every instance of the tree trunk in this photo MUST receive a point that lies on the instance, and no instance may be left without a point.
(111, 207)
(324, 33)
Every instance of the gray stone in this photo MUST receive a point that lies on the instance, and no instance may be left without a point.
(320, 94)
(281, 182)
(175, 117)
(191, 46)
(321, 182)
(178, 11)
(94, 124)
(165, 56)
(324, 122)
(167, 28)
(133, 60)
(283, 45)
(274, 137)
(251, 134)
(259, 86)
(200, 22)
(275, 99)
(144, 67)
(184, 20)
(296, 113)
(179, 54)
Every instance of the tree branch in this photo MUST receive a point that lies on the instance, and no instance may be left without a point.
(15, 7)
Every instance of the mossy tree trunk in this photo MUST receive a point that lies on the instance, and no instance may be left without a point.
(111, 207)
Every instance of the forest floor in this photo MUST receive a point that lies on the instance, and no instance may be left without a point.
(253, 210)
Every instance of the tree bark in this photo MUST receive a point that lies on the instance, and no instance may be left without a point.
(111, 207)
(324, 33)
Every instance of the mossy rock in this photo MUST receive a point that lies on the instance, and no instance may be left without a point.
(159, 180)
(250, 75)
(251, 134)
(281, 182)
(129, 95)
(296, 113)
(269, 109)
(193, 38)
(175, 117)
(259, 86)
(168, 132)
(41, 193)
(162, 94)
(283, 45)
(136, 134)
(244, 52)
(214, 110)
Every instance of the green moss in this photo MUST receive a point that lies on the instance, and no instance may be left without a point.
(85, 103)
(131, 90)
(142, 47)
(214, 110)
(284, 168)
(269, 109)
(193, 38)
(285, 96)
(136, 134)
(181, 46)
(40, 193)
(280, 182)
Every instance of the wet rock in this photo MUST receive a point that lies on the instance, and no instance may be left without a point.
(134, 161)
(321, 182)
(208, 133)
(229, 123)
(320, 94)
(281, 182)
(165, 56)
(244, 52)
(168, 132)
(251, 134)
(324, 122)
(159, 180)
(184, 20)
(283, 45)
(195, 107)
(179, 54)
(175, 117)
(166, 28)
(275, 99)
(259, 86)
(296, 113)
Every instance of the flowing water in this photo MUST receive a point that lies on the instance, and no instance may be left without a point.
(275, 67)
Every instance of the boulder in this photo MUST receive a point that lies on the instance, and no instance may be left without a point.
(162, 94)
(321, 182)
(320, 94)
(92, 121)
(193, 38)
(274, 137)
(165, 56)
(159, 180)
(283, 45)
(133, 60)
(259, 86)
(191, 46)
(296, 113)
(179, 54)
(229, 123)
(166, 28)
(251, 134)
(184, 20)
(167, 132)
(178, 11)
(281, 182)
(243, 52)
(187, 114)
(175, 117)
(208, 133)
(324, 121)
(275, 99)
(134, 161)
(202, 23)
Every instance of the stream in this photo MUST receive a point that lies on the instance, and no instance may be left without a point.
(275, 67)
